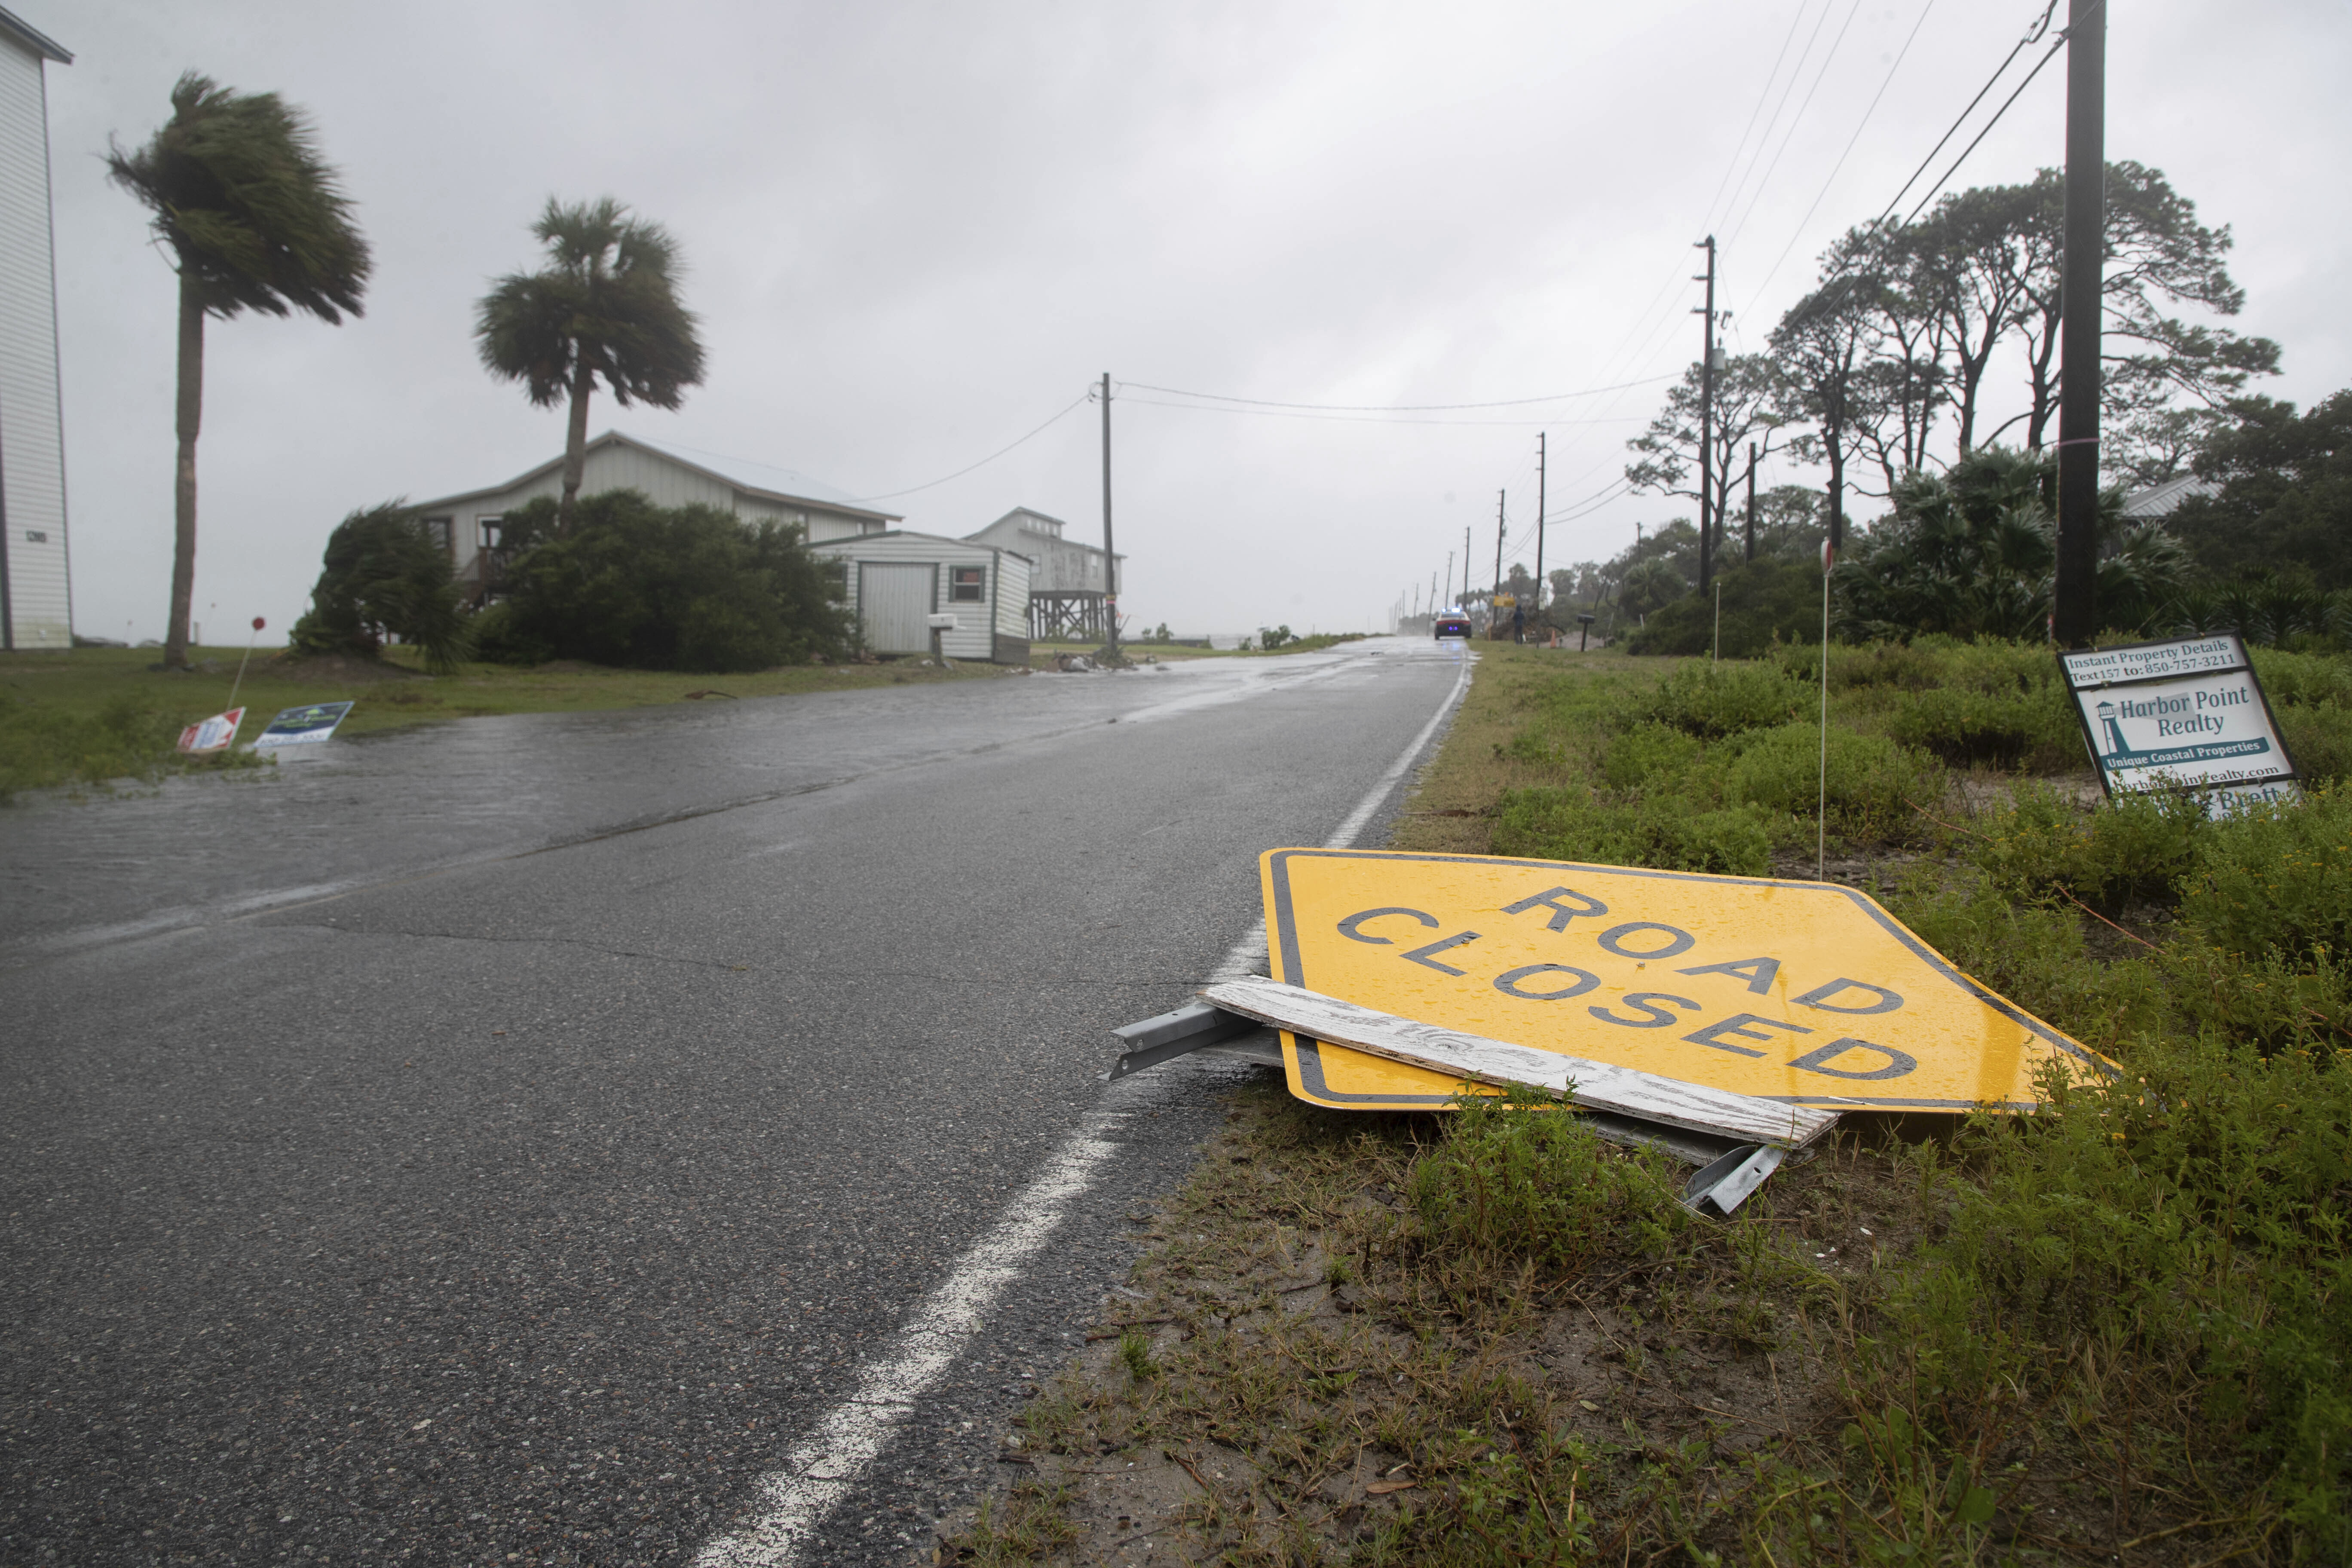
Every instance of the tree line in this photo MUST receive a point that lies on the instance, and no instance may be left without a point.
(1922, 371)
(253, 217)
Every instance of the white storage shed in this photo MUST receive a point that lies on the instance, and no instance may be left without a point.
(898, 579)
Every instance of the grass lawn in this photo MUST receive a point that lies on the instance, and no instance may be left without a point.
(97, 714)
(2119, 1329)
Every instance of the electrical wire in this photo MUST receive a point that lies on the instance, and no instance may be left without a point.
(1387, 407)
(1772, 76)
(1818, 77)
(2048, 55)
(1349, 419)
(893, 495)
(1852, 141)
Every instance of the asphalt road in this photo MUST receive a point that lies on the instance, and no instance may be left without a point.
(497, 1142)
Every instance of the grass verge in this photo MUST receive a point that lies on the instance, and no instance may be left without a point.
(96, 715)
(2118, 1331)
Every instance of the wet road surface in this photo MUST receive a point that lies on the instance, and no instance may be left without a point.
(497, 1142)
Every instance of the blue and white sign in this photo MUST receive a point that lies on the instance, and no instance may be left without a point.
(304, 726)
(2183, 714)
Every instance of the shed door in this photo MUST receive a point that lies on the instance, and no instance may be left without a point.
(893, 599)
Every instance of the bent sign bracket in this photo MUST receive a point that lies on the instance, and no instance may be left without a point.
(1604, 1086)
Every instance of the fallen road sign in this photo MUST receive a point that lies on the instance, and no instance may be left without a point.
(1803, 994)
(303, 726)
(1460, 1057)
(214, 735)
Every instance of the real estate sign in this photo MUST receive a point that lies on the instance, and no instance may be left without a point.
(2187, 714)
(213, 734)
(302, 726)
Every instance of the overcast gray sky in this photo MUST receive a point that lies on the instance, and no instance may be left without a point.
(914, 233)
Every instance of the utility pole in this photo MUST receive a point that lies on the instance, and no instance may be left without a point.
(1494, 609)
(1539, 521)
(1751, 500)
(1706, 416)
(1110, 556)
(2075, 617)
(1449, 578)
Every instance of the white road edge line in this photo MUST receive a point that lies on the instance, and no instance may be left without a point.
(820, 1468)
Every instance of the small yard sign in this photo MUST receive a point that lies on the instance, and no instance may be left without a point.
(2187, 714)
(213, 734)
(302, 726)
(1801, 992)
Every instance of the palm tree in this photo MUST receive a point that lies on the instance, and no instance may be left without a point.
(606, 305)
(254, 219)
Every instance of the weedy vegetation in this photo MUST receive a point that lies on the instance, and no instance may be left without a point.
(2119, 1329)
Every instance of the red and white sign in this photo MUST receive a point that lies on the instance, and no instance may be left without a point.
(213, 734)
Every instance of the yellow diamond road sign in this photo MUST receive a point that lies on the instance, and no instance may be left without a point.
(1803, 992)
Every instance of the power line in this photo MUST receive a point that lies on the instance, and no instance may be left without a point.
(893, 495)
(1770, 76)
(1852, 141)
(1818, 77)
(1773, 123)
(1279, 413)
(2033, 36)
(1387, 407)
(2049, 55)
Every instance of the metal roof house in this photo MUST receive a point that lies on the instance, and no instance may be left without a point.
(36, 601)
(468, 524)
(900, 579)
(2161, 500)
(1066, 591)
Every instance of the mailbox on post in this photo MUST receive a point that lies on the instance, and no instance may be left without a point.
(938, 624)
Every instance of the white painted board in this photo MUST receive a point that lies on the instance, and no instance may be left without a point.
(1600, 1085)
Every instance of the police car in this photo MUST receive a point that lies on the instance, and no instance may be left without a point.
(1452, 625)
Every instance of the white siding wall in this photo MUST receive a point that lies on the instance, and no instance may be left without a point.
(32, 447)
(1012, 597)
(1059, 563)
(974, 636)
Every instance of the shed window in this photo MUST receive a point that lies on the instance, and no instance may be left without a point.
(965, 585)
(438, 530)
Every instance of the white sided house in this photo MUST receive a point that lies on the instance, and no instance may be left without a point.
(468, 525)
(1068, 590)
(36, 603)
(898, 580)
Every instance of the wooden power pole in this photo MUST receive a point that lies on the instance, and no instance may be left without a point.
(1539, 525)
(2075, 608)
(1110, 556)
(1494, 609)
(1705, 418)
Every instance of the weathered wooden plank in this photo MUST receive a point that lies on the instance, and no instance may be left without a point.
(1601, 1085)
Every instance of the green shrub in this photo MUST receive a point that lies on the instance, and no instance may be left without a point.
(2037, 730)
(2279, 877)
(2304, 680)
(1633, 758)
(2194, 1217)
(645, 587)
(1871, 781)
(2319, 739)
(2037, 958)
(1763, 602)
(2140, 847)
(1667, 832)
(1516, 1177)
(386, 578)
(1712, 699)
